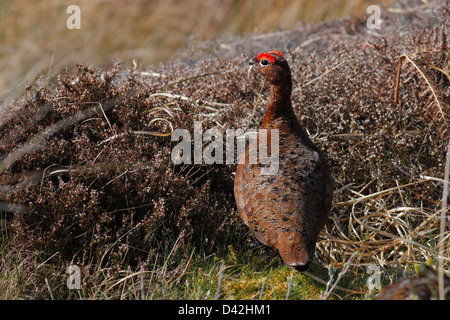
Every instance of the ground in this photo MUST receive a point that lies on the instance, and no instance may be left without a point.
(87, 178)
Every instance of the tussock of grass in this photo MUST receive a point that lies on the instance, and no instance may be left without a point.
(87, 177)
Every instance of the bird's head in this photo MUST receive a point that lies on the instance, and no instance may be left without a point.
(272, 66)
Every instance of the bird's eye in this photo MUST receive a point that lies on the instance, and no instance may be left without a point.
(264, 62)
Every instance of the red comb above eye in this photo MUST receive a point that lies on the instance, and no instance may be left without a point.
(268, 56)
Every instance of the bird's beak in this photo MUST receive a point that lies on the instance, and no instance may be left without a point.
(251, 62)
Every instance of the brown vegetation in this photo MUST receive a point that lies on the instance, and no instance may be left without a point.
(86, 162)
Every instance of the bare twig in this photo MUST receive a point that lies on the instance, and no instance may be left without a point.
(262, 289)
(219, 283)
(39, 140)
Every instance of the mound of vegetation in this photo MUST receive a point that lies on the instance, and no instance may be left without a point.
(85, 160)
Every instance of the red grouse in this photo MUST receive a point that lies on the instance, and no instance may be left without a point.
(287, 208)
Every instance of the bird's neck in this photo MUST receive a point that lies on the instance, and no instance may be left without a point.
(280, 105)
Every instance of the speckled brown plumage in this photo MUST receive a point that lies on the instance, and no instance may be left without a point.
(286, 210)
(424, 286)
